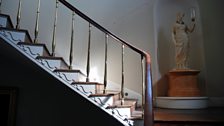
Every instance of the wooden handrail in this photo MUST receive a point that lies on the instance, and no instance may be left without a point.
(148, 106)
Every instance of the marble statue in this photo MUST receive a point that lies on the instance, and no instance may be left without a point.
(180, 38)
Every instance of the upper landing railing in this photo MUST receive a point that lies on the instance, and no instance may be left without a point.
(147, 94)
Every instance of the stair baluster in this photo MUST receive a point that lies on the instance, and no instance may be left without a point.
(18, 15)
(37, 23)
(105, 65)
(88, 56)
(72, 39)
(54, 29)
(122, 75)
(143, 84)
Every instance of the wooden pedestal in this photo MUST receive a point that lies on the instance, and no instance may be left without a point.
(183, 83)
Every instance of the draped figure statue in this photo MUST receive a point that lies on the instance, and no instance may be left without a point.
(181, 41)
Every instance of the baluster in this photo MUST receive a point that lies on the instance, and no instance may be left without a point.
(88, 55)
(18, 15)
(105, 69)
(143, 85)
(54, 29)
(72, 39)
(122, 75)
(37, 23)
(0, 6)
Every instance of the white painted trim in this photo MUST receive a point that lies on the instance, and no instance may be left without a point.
(216, 102)
(182, 102)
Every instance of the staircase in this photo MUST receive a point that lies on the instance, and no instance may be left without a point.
(126, 110)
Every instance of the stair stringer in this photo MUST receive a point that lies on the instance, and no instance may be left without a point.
(44, 65)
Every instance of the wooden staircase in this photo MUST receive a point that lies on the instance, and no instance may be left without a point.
(94, 90)
(125, 110)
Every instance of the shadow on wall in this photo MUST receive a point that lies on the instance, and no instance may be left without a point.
(164, 57)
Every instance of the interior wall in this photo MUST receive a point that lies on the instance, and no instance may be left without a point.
(131, 20)
(165, 17)
(212, 22)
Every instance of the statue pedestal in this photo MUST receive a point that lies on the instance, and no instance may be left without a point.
(183, 92)
(183, 83)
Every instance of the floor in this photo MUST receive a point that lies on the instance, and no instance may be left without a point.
(181, 117)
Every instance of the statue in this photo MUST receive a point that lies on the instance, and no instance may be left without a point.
(181, 41)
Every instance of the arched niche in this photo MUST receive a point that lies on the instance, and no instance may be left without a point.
(164, 17)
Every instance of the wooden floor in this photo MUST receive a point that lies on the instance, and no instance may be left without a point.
(181, 117)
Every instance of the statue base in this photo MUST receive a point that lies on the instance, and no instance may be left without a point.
(183, 83)
(183, 92)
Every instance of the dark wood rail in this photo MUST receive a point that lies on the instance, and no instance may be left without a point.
(148, 106)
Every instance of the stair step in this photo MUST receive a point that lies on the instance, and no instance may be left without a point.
(136, 115)
(86, 83)
(92, 87)
(71, 75)
(126, 108)
(16, 35)
(53, 62)
(105, 98)
(126, 102)
(34, 49)
(5, 21)
(101, 95)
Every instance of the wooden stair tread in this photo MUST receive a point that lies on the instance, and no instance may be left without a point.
(136, 115)
(16, 30)
(126, 102)
(35, 44)
(101, 95)
(52, 58)
(119, 106)
(69, 71)
(4, 15)
(86, 83)
(110, 91)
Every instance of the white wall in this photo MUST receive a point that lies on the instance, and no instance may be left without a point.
(212, 22)
(130, 20)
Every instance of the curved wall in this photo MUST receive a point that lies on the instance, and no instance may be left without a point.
(164, 18)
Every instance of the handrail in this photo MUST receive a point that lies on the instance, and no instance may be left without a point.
(148, 106)
(92, 22)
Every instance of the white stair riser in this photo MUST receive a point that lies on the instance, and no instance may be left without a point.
(54, 63)
(15, 36)
(35, 50)
(3, 21)
(87, 88)
(73, 76)
(109, 100)
(124, 112)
